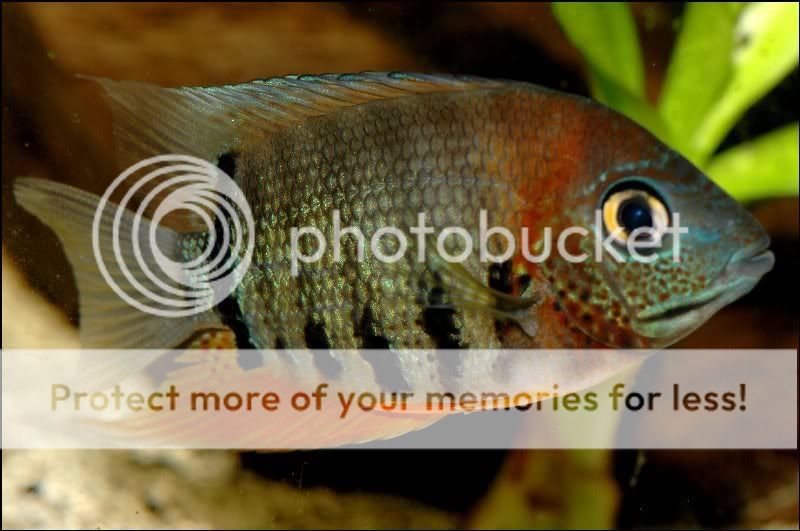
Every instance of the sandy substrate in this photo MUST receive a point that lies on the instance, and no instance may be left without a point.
(180, 489)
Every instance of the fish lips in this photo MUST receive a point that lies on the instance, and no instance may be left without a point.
(744, 269)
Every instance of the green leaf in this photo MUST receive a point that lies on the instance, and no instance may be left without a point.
(699, 69)
(761, 168)
(765, 51)
(634, 108)
(735, 7)
(605, 33)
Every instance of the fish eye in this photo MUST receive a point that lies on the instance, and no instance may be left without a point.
(632, 205)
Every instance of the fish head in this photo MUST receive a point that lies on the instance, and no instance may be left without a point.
(694, 248)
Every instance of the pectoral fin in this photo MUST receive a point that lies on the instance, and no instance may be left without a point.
(467, 292)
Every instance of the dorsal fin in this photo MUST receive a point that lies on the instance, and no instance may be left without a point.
(207, 121)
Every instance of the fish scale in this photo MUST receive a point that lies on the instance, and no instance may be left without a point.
(368, 191)
(381, 148)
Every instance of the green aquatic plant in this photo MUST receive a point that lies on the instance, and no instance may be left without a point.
(727, 56)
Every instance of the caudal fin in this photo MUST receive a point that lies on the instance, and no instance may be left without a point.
(106, 319)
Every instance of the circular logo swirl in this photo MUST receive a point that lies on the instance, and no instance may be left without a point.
(161, 271)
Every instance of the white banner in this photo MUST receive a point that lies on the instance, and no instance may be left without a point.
(274, 399)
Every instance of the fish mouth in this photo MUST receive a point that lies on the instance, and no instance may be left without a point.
(742, 272)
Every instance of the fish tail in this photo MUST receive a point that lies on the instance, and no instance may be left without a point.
(110, 319)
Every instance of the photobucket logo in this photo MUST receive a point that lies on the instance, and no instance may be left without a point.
(149, 269)
(613, 243)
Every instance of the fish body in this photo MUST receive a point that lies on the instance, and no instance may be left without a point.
(379, 150)
(530, 158)
(449, 155)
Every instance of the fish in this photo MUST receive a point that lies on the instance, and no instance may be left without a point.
(380, 148)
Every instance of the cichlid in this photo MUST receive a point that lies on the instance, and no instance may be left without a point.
(382, 147)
